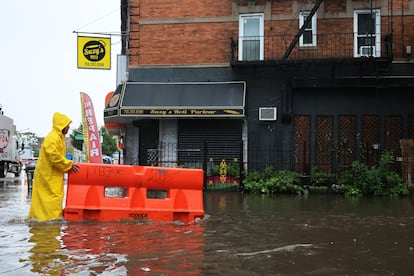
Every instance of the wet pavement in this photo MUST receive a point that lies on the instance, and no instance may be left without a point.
(241, 235)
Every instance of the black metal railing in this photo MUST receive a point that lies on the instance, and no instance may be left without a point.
(229, 165)
(221, 165)
(323, 46)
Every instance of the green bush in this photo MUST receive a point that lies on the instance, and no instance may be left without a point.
(358, 180)
(232, 169)
(215, 170)
(362, 180)
(319, 178)
(272, 181)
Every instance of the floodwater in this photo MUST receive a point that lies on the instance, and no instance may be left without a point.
(241, 235)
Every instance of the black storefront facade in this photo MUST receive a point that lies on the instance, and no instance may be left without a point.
(297, 116)
(179, 123)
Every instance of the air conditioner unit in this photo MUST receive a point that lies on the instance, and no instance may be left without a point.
(367, 51)
(267, 113)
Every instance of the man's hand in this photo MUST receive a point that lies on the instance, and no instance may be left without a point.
(74, 169)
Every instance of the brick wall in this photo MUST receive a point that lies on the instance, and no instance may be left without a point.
(202, 43)
(335, 6)
(403, 35)
(162, 9)
(282, 7)
(400, 4)
(188, 32)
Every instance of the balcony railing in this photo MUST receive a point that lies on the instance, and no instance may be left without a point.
(326, 46)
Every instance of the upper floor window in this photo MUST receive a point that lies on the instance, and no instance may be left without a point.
(367, 33)
(251, 41)
(308, 38)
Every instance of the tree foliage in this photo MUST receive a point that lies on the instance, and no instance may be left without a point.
(28, 139)
(109, 145)
(77, 144)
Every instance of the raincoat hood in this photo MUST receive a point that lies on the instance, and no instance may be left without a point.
(60, 121)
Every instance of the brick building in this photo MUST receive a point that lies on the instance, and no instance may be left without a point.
(296, 84)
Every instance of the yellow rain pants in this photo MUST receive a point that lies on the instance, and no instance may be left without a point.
(48, 190)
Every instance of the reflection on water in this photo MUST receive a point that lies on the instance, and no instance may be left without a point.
(46, 255)
(241, 235)
(118, 248)
(134, 247)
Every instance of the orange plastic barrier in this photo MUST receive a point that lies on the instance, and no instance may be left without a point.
(115, 192)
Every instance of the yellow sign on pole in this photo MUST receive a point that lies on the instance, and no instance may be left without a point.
(94, 52)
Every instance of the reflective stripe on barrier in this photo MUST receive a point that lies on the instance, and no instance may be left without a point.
(116, 192)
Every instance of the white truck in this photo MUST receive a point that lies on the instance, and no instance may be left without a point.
(10, 160)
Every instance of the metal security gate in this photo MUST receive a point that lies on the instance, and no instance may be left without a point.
(148, 137)
(217, 144)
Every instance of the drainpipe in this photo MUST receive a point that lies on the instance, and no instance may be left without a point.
(124, 26)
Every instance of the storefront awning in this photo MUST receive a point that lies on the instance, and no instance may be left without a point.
(176, 100)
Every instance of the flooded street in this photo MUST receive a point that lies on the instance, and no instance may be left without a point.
(241, 235)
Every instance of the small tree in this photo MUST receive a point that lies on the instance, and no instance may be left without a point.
(109, 145)
(77, 143)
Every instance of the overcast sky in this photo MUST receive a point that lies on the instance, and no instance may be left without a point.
(38, 51)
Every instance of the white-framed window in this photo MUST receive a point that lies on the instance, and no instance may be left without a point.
(367, 33)
(308, 38)
(251, 36)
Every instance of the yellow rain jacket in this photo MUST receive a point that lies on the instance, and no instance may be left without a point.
(48, 191)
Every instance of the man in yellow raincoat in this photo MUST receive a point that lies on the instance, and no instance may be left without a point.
(48, 190)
